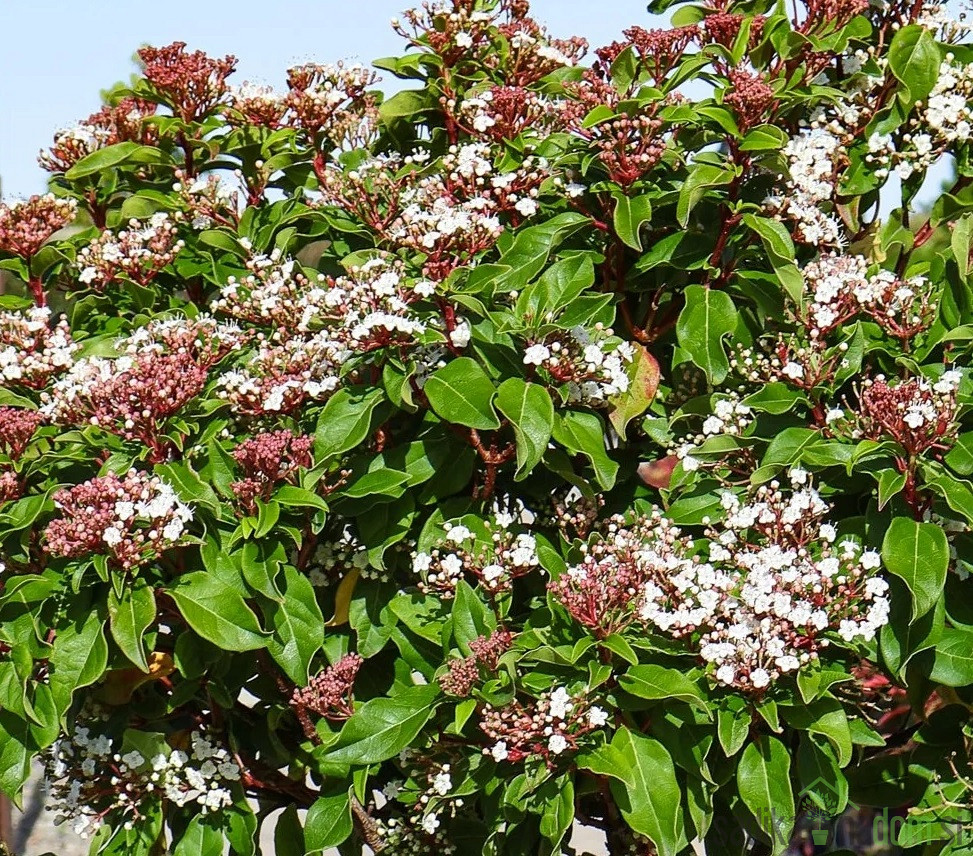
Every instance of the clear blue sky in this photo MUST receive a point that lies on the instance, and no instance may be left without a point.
(58, 54)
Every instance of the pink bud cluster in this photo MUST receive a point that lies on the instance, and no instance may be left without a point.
(208, 201)
(750, 97)
(454, 29)
(192, 84)
(131, 519)
(591, 365)
(26, 225)
(494, 563)
(332, 100)
(628, 147)
(803, 366)
(17, 427)
(656, 51)
(546, 728)
(122, 122)
(534, 53)
(267, 460)
(137, 253)
(10, 486)
(131, 397)
(504, 112)
(463, 674)
(918, 414)
(31, 352)
(329, 694)
(600, 595)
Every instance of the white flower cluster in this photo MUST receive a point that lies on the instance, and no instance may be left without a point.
(772, 583)
(838, 287)
(943, 121)
(335, 557)
(91, 783)
(279, 377)
(938, 18)
(138, 252)
(31, 351)
(817, 156)
(591, 364)
(813, 158)
(730, 418)
(203, 338)
(79, 140)
(495, 564)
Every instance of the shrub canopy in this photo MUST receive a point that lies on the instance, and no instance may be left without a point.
(548, 440)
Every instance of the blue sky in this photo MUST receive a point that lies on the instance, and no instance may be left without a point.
(59, 54)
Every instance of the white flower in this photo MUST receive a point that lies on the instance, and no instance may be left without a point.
(430, 823)
(760, 678)
(526, 207)
(536, 355)
(460, 335)
(442, 784)
(870, 560)
(597, 717)
(464, 40)
(499, 752)
(560, 703)
(557, 744)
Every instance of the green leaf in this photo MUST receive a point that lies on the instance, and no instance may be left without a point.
(658, 682)
(733, 725)
(79, 658)
(707, 317)
(558, 810)
(217, 612)
(131, 614)
(298, 626)
(960, 243)
(289, 834)
(224, 240)
(471, 619)
(918, 553)
(953, 665)
(328, 822)
(406, 104)
(702, 176)
(774, 236)
(382, 727)
(644, 377)
(763, 779)
(199, 839)
(774, 397)
(914, 59)
(583, 433)
(345, 422)
(529, 409)
(461, 393)
(960, 457)
(102, 159)
(649, 799)
(630, 215)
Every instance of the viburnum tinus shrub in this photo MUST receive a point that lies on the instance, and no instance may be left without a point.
(552, 440)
